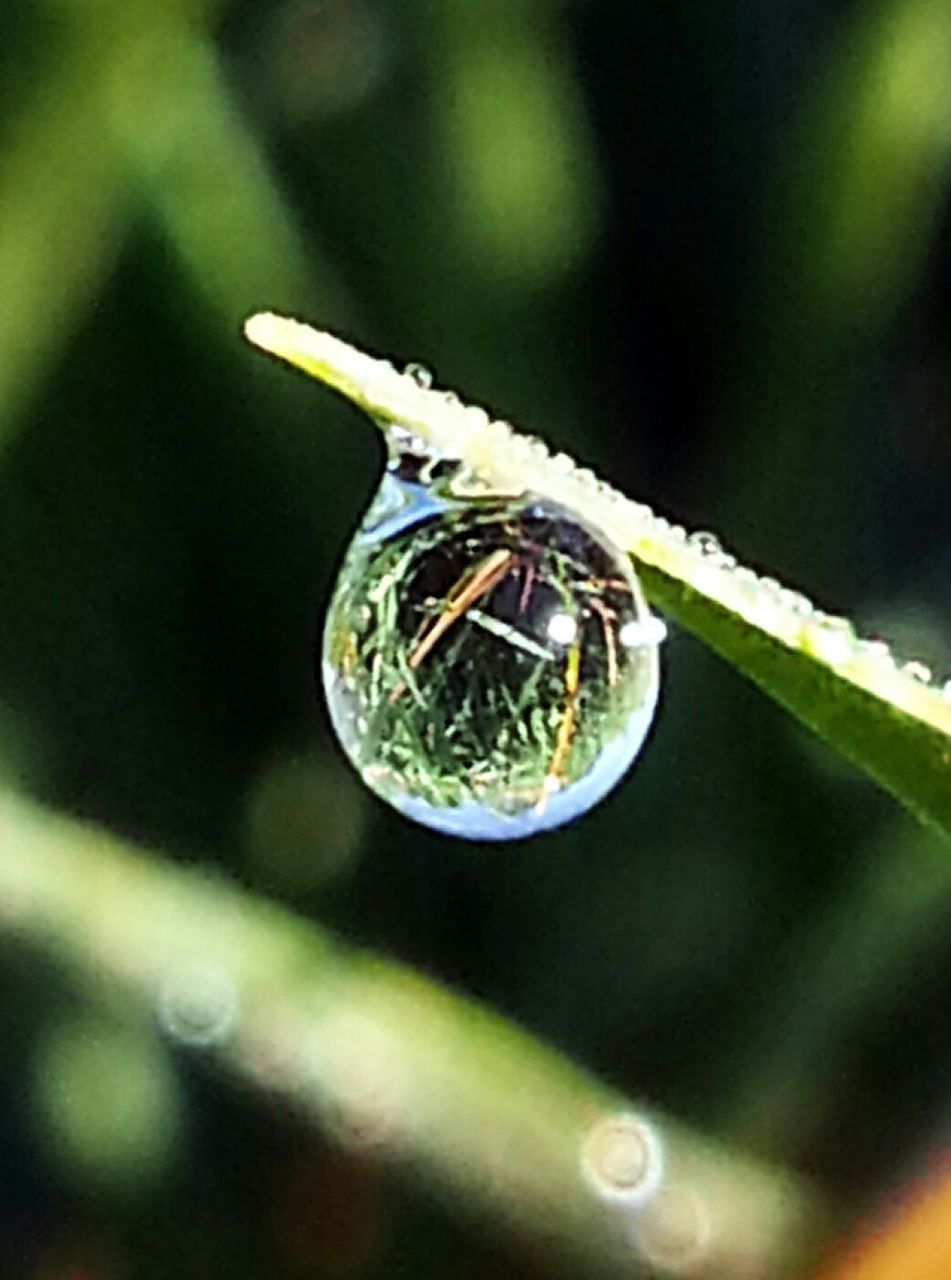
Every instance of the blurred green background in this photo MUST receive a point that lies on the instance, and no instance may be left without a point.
(705, 248)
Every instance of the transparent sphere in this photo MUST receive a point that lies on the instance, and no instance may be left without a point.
(490, 666)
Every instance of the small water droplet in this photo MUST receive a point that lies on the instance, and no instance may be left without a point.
(832, 639)
(490, 665)
(917, 671)
(946, 690)
(477, 419)
(622, 1158)
(877, 652)
(419, 374)
(795, 602)
(708, 544)
(674, 1230)
(198, 1003)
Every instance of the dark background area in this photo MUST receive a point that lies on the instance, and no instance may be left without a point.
(704, 248)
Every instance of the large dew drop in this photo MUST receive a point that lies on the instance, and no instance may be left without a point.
(490, 665)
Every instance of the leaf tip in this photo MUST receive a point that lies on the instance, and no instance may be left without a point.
(263, 330)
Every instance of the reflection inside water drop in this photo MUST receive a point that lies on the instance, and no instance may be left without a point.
(490, 665)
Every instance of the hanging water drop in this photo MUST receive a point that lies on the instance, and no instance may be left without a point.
(490, 665)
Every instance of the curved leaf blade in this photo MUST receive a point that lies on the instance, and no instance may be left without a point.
(888, 718)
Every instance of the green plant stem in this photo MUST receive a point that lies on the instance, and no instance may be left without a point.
(394, 1064)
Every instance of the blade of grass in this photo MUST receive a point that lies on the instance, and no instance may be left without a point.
(845, 234)
(888, 718)
(189, 152)
(60, 223)
(397, 1066)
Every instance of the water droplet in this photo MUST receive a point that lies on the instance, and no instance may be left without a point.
(420, 374)
(708, 544)
(622, 1157)
(832, 640)
(198, 1003)
(490, 665)
(917, 671)
(795, 602)
(673, 1232)
(877, 652)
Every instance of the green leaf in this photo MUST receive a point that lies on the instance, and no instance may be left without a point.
(888, 718)
(907, 749)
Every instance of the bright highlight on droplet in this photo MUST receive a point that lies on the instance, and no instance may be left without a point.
(562, 628)
(642, 631)
(490, 665)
